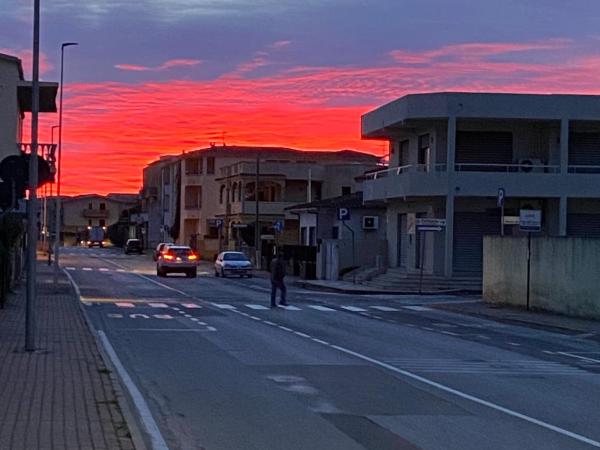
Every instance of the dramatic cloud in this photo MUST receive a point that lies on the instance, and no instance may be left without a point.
(26, 57)
(111, 130)
(172, 63)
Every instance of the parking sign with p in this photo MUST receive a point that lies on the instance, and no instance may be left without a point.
(343, 214)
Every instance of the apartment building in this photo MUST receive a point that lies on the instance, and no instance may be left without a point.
(15, 101)
(217, 185)
(451, 154)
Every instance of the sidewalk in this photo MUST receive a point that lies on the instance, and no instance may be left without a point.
(520, 316)
(62, 395)
(345, 287)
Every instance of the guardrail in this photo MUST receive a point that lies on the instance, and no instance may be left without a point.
(583, 169)
(506, 168)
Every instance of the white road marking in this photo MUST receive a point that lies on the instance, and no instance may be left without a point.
(223, 306)
(162, 316)
(125, 305)
(417, 308)
(584, 358)
(515, 344)
(140, 316)
(103, 269)
(158, 305)
(156, 438)
(191, 305)
(121, 270)
(470, 397)
(70, 268)
(321, 308)
(194, 319)
(384, 308)
(115, 316)
(87, 269)
(290, 307)
(302, 334)
(353, 308)
(211, 328)
(257, 307)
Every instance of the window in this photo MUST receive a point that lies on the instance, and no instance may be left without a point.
(212, 230)
(346, 190)
(102, 206)
(233, 192)
(303, 236)
(90, 222)
(102, 222)
(312, 235)
(166, 202)
(403, 151)
(192, 166)
(166, 174)
(335, 232)
(221, 194)
(210, 165)
(193, 197)
(90, 206)
(423, 156)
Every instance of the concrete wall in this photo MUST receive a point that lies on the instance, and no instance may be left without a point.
(564, 273)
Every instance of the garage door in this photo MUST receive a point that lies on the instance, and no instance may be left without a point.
(469, 229)
(583, 225)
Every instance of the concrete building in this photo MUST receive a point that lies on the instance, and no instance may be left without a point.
(451, 153)
(216, 191)
(357, 241)
(83, 211)
(159, 194)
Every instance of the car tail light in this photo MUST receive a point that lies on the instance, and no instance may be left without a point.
(192, 257)
(168, 256)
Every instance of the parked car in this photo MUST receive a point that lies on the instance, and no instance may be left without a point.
(233, 263)
(177, 259)
(159, 248)
(133, 246)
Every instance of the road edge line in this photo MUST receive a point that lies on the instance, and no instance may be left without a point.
(124, 398)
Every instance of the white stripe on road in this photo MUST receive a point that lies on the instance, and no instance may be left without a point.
(257, 307)
(103, 269)
(384, 308)
(121, 270)
(290, 307)
(190, 305)
(125, 305)
(87, 269)
(148, 422)
(321, 308)
(158, 305)
(70, 268)
(223, 306)
(417, 308)
(353, 308)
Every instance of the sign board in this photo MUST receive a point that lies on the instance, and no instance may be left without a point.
(267, 237)
(427, 222)
(530, 220)
(501, 195)
(343, 214)
(240, 225)
(511, 220)
(278, 225)
(219, 223)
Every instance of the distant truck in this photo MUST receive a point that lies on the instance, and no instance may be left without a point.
(95, 236)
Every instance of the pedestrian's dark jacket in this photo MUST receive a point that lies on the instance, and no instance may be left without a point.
(277, 269)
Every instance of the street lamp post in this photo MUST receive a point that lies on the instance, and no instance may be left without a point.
(58, 164)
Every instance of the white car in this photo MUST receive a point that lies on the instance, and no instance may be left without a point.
(177, 259)
(157, 251)
(233, 263)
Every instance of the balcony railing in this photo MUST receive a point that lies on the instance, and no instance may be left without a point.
(411, 168)
(506, 168)
(95, 213)
(584, 169)
(46, 151)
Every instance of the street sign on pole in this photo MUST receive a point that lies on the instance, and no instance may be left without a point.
(219, 223)
(501, 195)
(427, 224)
(343, 214)
(530, 220)
(278, 226)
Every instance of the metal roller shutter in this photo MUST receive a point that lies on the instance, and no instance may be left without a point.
(402, 241)
(469, 229)
(584, 149)
(583, 225)
(484, 147)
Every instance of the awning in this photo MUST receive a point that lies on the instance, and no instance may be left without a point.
(48, 91)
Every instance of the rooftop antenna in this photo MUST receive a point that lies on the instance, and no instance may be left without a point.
(223, 138)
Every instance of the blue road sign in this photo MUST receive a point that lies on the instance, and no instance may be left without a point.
(278, 225)
(501, 195)
(343, 214)
(219, 223)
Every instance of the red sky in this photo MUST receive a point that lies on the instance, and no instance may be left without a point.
(113, 129)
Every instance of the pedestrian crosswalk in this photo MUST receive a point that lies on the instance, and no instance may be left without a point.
(258, 307)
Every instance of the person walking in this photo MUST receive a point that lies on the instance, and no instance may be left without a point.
(277, 280)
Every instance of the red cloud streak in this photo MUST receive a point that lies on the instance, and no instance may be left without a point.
(112, 130)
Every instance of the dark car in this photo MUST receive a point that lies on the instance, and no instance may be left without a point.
(133, 246)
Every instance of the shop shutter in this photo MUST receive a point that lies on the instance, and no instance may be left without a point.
(484, 147)
(469, 229)
(583, 225)
(584, 149)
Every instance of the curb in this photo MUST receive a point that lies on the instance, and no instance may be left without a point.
(340, 290)
(123, 399)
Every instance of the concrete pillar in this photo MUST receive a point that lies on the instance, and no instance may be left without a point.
(562, 215)
(564, 146)
(450, 158)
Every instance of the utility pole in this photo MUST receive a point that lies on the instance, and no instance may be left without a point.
(257, 218)
(33, 181)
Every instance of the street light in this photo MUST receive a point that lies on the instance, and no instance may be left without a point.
(58, 165)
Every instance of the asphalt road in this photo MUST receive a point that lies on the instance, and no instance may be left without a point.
(220, 370)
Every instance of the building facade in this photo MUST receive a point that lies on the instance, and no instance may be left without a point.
(216, 207)
(452, 153)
